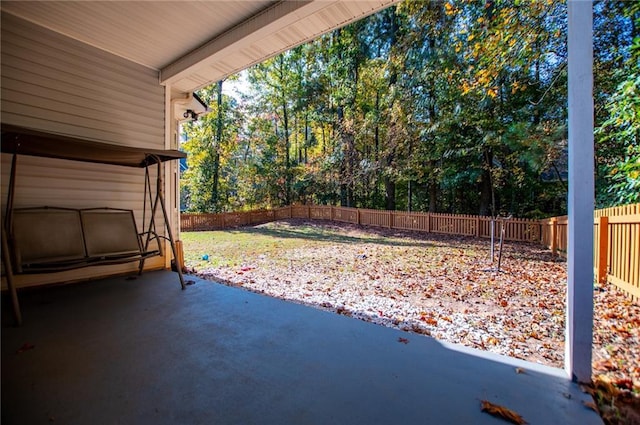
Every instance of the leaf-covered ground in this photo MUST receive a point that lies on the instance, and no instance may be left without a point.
(442, 286)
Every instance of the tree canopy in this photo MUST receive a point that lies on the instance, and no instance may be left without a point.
(442, 106)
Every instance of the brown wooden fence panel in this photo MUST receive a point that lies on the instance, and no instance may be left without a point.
(195, 222)
(554, 234)
(624, 253)
(376, 218)
(345, 214)
(522, 230)
(562, 235)
(282, 213)
(337, 214)
(616, 248)
(597, 245)
(485, 228)
(415, 221)
(411, 221)
(261, 216)
(320, 212)
(234, 219)
(453, 224)
(299, 211)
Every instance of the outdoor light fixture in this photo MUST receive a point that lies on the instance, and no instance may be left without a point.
(190, 113)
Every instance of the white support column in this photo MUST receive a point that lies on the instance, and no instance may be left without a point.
(579, 326)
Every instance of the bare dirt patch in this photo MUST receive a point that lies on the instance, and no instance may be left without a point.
(441, 286)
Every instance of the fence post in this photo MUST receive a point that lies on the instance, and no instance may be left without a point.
(603, 248)
(358, 216)
(478, 227)
(308, 211)
(331, 212)
(390, 220)
(552, 235)
(290, 211)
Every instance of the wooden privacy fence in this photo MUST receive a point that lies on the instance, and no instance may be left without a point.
(616, 234)
(453, 224)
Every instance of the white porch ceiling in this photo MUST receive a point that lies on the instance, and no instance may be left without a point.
(194, 43)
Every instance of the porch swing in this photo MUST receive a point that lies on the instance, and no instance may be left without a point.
(52, 239)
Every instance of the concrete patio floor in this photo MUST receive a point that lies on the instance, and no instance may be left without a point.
(142, 351)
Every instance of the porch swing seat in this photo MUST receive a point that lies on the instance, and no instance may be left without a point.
(50, 239)
(53, 239)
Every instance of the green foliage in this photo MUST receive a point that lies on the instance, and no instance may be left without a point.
(207, 184)
(618, 136)
(622, 131)
(442, 106)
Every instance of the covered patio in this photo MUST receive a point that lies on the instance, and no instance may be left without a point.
(119, 350)
(140, 351)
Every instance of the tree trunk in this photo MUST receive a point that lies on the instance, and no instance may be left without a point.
(324, 140)
(287, 160)
(377, 129)
(390, 193)
(433, 197)
(344, 198)
(306, 137)
(296, 128)
(487, 203)
(216, 153)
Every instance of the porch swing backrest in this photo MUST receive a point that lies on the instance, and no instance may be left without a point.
(48, 239)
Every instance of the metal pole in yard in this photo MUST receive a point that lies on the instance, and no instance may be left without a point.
(493, 224)
(501, 243)
(502, 231)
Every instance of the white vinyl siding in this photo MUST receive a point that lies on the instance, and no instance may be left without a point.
(53, 83)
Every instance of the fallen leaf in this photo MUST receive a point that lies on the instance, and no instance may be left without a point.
(587, 390)
(606, 388)
(25, 347)
(624, 383)
(591, 405)
(502, 412)
(403, 340)
(520, 370)
(429, 321)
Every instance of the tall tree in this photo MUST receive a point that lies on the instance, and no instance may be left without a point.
(206, 182)
(455, 106)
